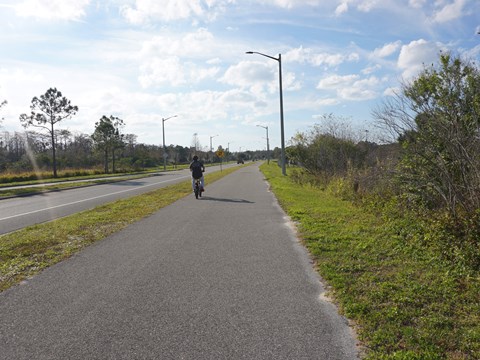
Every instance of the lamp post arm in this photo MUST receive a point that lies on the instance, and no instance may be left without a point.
(259, 53)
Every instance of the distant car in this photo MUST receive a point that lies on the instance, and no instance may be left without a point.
(240, 161)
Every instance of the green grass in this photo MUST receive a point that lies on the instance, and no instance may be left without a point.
(25, 252)
(406, 304)
(39, 177)
(63, 185)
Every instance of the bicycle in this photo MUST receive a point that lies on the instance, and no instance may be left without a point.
(197, 190)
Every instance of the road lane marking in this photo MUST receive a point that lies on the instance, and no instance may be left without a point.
(92, 198)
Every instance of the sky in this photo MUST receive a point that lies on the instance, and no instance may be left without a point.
(185, 61)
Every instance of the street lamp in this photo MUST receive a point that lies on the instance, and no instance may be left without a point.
(164, 147)
(268, 144)
(228, 150)
(279, 59)
(211, 147)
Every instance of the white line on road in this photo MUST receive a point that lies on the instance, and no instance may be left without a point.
(93, 198)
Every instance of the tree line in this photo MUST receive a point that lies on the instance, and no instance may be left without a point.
(51, 147)
(46, 146)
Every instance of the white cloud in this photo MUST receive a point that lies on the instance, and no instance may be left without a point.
(260, 77)
(171, 10)
(361, 90)
(289, 4)
(367, 5)
(290, 83)
(351, 87)
(413, 56)
(52, 9)
(337, 81)
(472, 53)
(199, 44)
(341, 9)
(357, 94)
(371, 69)
(315, 58)
(327, 59)
(173, 72)
(416, 4)
(160, 71)
(450, 12)
(237, 96)
(360, 5)
(391, 91)
(256, 75)
(387, 49)
(180, 59)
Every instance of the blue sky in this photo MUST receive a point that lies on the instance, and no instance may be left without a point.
(144, 60)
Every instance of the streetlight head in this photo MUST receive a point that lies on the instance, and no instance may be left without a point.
(249, 52)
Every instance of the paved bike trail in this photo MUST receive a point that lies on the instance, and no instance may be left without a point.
(222, 277)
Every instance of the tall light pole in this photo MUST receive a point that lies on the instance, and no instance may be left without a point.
(268, 144)
(228, 149)
(164, 147)
(211, 147)
(279, 59)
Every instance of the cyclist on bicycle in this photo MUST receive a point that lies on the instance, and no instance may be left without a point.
(197, 168)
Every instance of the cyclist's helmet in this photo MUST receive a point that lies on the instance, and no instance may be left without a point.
(195, 157)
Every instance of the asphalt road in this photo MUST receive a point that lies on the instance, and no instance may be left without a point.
(19, 212)
(222, 277)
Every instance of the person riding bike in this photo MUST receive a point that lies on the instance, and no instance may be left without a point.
(197, 168)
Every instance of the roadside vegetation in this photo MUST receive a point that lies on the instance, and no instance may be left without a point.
(25, 252)
(405, 300)
(395, 227)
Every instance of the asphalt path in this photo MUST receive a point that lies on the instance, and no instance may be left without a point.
(222, 277)
(19, 212)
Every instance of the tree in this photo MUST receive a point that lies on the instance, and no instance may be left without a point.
(437, 119)
(46, 112)
(328, 149)
(107, 137)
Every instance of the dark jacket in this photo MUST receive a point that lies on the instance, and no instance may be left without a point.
(197, 169)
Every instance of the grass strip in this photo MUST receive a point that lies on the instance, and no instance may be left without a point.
(64, 185)
(25, 252)
(36, 177)
(406, 303)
